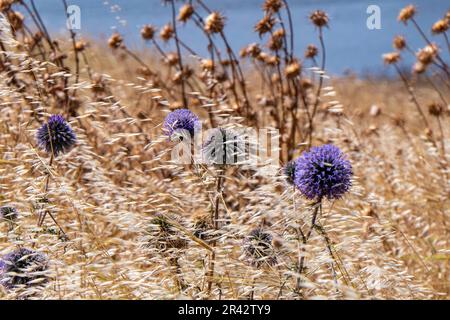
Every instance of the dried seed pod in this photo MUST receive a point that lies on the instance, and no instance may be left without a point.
(435, 109)
(115, 41)
(440, 26)
(311, 51)
(272, 6)
(186, 12)
(214, 23)
(166, 32)
(265, 25)
(319, 18)
(391, 57)
(399, 43)
(148, 32)
(293, 69)
(407, 13)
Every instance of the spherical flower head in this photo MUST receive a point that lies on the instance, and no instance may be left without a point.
(258, 248)
(181, 121)
(223, 146)
(56, 136)
(23, 267)
(8, 213)
(323, 172)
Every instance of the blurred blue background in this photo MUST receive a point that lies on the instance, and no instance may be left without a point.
(350, 44)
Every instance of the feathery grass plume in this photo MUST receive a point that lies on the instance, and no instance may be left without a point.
(8, 213)
(56, 136)
(181, 122)
(258, 249)
(223, 146)
(23, 267)
(323, 172)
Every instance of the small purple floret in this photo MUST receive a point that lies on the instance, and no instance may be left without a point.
(181, 119)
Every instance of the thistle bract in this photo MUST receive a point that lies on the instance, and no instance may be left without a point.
(23, 267)
(323, 172)
(56, 136)
(258, 248)
(179, 121)
(8, 213)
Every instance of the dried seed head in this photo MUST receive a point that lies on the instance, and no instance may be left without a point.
(163, 235)
(265, 25)
(427, 54)
(258, 248)
(319, 18)
(311, 51)
(166, 32)
(293, 69)
(272, 6)
(275, 43)
(306, 84)
(419, 67)
(80, 45)
(172, 59)
(214, 23)
(440, 26)
(273, 60)
(435, 109)
(115, 41)
(148, 32)
(407, 13)
(399, 43)
(186, 12)
(253, 50)
(391, 57)
(8, 213)
(16, 20)
(207, 64)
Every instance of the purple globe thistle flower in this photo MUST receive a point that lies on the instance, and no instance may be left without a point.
(323, 172)
(179, 121)
(21, 267)
(258, 248)
(56, 135)
(8, 213)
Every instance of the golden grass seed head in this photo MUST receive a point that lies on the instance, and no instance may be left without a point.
(167, 32)
(186, 12)
(319, 18)
(148, 32)
(214, 23)
(399, 42)
(440, 26)
(407, 13)
(391, 57)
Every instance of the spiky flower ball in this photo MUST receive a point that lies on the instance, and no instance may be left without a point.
(163, 235)
(23, 267)
(8, 213)
(223, 146)
(181, 121)
(56, 135)
(323, 172)
(258, 248)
